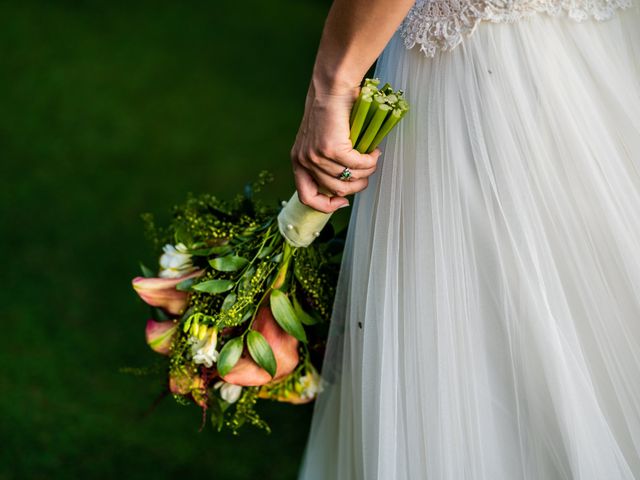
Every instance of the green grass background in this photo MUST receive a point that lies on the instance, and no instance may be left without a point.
(109, 109)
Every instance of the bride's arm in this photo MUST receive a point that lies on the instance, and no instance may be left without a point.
(354, 35)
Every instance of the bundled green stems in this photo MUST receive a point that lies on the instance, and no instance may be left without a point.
(374, 114)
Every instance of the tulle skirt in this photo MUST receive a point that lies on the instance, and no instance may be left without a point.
(487, 318)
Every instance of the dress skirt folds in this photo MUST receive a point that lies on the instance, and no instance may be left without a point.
(487, 318)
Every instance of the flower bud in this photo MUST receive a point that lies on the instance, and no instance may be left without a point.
(160, 335)
(162, 293)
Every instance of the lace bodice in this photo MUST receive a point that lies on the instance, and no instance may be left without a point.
(438, 25)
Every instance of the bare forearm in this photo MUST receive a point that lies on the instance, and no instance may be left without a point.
(354, 35)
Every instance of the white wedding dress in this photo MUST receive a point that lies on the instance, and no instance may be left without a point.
(487, 319)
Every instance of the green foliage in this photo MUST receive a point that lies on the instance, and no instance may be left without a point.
(245, 412)
(241, 254)
(228, 263)
(261, 352)
(214, 286)
(303, 316)
(286, 316)
(316, 277)
(229, 355)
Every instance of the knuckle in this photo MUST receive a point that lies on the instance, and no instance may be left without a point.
(302, 160)
(296, 158)
(304, 197)
(314, 157)
(361, 185)
(370, 161)
(325, 150)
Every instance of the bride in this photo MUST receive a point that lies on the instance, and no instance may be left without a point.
(487, 318)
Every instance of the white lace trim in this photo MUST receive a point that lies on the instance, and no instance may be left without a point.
(440, 25)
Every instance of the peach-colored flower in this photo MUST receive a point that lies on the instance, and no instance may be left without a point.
(188, 384)
(162, 293)
(160, 335)
(305, 391)
(289, 397)
(285, 349)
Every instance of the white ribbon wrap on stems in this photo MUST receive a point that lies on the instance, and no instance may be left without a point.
(300, 224)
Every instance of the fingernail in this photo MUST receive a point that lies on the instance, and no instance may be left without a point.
(343, 206)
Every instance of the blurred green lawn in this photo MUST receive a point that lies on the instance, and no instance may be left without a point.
(109, 109)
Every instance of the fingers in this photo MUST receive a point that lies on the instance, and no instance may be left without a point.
(341, 188)
(332, 170)
(326, 170)
(309, 195)
(356, 160)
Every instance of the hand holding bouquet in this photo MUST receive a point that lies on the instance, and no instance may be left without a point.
(242, 299)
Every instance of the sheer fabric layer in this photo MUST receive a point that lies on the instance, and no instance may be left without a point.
(487, 320)
(441, 25)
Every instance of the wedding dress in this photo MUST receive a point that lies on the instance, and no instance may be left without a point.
(487, 319)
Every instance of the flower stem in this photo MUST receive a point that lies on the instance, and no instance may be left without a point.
(378, 99)
(388, 124)
(361, 114)
(287, 253)
(354, 109)
(373, 128)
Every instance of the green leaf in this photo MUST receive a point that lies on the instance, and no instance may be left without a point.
(187, 324)
(245, 280)
(214, 286)
(229, 355)
(200, 252)
(220, 249)
(303, 316)
(206, 251)
(185, 285)
(182, 236)
(335, 259)
(264, 251)
(247, 315)
(217, 407)
(261, 352)
(285, 315)
(228, 302)
(159, 314)
(229, 263)
(146, 271)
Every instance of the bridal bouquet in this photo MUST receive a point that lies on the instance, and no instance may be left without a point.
(243, 293)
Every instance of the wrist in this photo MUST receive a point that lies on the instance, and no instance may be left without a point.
(334, 82)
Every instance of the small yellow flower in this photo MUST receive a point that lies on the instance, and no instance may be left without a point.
(203, 350)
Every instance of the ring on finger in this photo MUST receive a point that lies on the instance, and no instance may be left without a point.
(345, 175)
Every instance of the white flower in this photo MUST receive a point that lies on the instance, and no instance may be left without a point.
(175, 262)
(204, 351)
(311, 384)
(229, 392)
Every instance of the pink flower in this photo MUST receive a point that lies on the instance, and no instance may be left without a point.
(285, 348)
(162, 293)
(160, 335)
